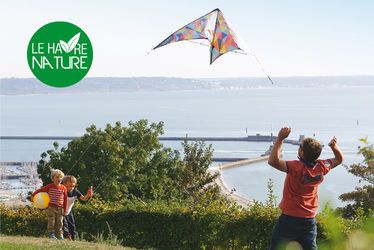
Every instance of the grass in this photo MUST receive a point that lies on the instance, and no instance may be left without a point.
(31, 243)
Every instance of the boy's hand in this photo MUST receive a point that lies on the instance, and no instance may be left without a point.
(283, 133)
(333, 142)
(90, 191)
(338, 159)
(29, 196)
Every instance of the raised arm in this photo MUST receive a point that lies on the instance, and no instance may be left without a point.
(88, 195)
(338, 154)
(274, 158)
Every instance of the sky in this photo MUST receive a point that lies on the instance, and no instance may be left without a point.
(290, 37)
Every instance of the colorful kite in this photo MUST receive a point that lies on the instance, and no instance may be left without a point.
(212, 27)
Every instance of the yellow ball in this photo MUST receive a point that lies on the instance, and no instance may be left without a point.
(41, 200)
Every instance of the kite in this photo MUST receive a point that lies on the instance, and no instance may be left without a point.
(212, 27)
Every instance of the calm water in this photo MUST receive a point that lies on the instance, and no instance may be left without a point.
(324, 112)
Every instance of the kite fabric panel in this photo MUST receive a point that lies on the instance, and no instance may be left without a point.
(212, 27)
(223, 39)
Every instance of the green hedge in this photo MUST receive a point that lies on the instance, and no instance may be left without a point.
(175, 226)
(167, 226)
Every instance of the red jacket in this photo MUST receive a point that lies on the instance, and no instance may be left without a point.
(58, 195)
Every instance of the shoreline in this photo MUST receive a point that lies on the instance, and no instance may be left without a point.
(227, 192)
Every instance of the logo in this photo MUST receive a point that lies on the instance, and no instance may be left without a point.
(59, 54)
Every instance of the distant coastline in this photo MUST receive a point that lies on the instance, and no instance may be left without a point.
(31, 86)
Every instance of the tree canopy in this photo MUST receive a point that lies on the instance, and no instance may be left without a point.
(361, 197)
(125, 162)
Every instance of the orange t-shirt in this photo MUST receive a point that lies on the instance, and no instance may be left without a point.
(300, 197)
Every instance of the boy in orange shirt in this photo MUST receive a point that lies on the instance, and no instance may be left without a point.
(58, 204)
(300, 197)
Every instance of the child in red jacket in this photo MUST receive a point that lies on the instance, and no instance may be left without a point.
(58, 204)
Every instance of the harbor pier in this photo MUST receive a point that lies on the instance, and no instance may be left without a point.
(249, 138)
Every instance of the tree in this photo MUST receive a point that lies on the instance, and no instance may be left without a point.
(195, 176)
(124, 162)
(362, 197)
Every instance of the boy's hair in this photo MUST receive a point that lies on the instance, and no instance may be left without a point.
(69, 178)
(56, 172)
(312, 149)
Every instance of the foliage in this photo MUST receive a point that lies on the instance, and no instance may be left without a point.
(126, 162)
(204, 225)
(23, 221)
(148, 196)
(272, 198)
(195, 178)
(161, 225)
(340, 233)
(362, 197)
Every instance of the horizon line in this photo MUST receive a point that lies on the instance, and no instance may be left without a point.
(182, 77)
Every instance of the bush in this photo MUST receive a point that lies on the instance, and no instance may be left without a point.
(203, 225)
(361, 197)
(157, 224)
(23, 221)
(339, 233)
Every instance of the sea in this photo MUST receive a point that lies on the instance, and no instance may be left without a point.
(319, 112)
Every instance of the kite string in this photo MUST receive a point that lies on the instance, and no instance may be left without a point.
(243, 53)
(237, 52)
(84, 152)
(103, 179)
(107, 175)
(261, 66)
(80, 157)
(97, 188)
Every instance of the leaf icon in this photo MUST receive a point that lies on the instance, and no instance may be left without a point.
(64, 46)
(67, 47)
(73, 41)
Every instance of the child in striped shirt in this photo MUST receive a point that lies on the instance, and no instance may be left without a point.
(58, 204)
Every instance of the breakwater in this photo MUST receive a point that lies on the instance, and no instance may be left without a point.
(249, 138)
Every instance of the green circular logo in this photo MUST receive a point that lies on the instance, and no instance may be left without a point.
(59, 54)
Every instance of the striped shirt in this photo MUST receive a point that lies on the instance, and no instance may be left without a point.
(57, 195)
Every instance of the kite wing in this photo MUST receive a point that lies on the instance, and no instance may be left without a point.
(212, 27)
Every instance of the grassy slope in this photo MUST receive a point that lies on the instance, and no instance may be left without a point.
(22, 242)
